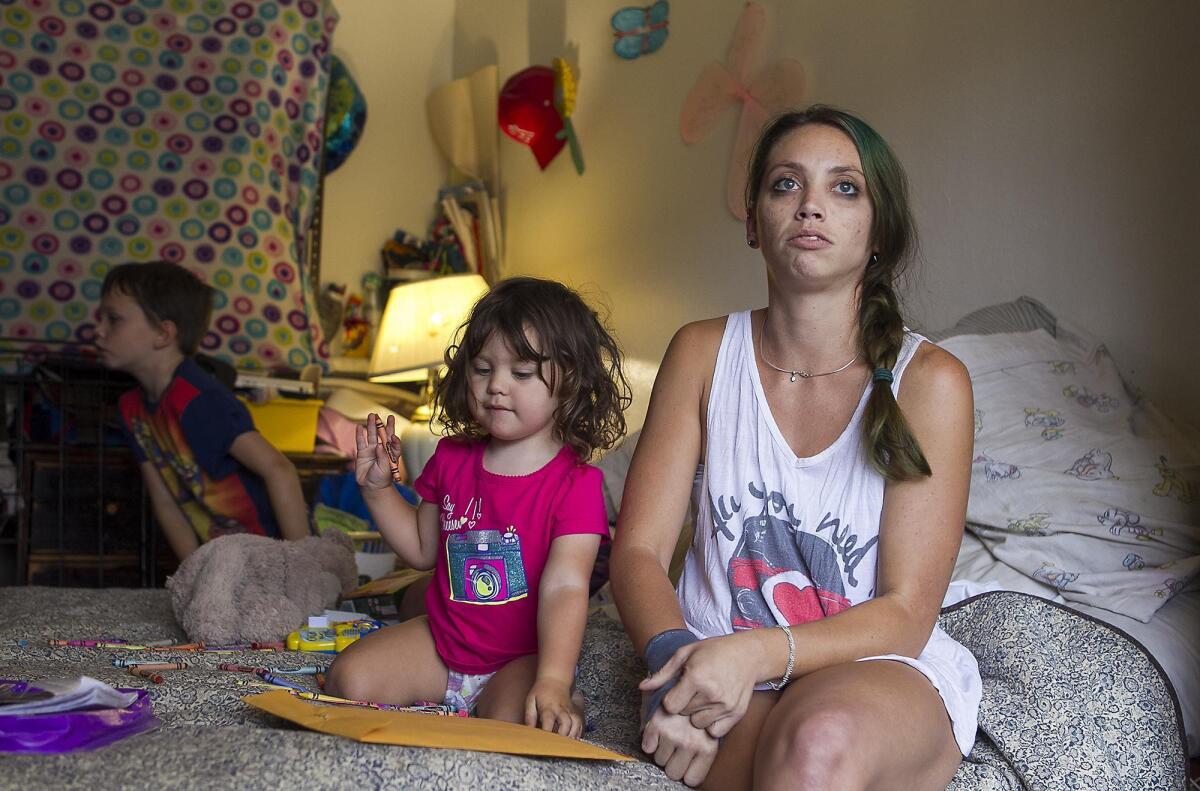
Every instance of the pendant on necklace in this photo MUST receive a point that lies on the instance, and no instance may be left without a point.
(793, 376)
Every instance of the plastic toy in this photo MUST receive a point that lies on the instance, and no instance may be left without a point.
(331, 639)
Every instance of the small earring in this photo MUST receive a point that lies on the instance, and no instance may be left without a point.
(752, 242)
(874, 258)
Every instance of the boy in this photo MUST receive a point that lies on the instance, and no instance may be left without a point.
(208, 472)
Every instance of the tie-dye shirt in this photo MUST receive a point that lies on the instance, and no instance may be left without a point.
(187, 434)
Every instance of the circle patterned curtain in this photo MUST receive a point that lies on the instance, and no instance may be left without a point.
(188, 131)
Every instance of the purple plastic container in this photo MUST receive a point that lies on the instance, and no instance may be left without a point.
(69, 731)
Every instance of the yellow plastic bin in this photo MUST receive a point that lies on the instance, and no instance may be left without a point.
(290, 424)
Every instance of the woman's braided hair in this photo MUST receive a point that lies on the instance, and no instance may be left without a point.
(887, 439)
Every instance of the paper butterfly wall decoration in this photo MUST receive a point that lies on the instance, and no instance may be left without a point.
(761, 92)
(640, 31)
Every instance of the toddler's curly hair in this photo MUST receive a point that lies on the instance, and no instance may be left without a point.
(578, 359)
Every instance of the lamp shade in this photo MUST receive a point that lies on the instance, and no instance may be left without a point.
(419, 322)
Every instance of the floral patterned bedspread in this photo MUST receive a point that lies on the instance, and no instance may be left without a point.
(1068, 702)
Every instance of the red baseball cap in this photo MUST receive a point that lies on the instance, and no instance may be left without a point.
(527, 114)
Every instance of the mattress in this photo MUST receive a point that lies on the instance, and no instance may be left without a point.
(1172, 636)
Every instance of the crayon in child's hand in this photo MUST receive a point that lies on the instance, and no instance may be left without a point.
(387, 445)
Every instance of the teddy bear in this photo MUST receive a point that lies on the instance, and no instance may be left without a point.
(247, 588)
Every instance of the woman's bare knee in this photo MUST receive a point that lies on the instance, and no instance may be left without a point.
(813, 749)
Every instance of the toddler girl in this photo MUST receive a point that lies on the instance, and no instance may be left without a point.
(511, 515)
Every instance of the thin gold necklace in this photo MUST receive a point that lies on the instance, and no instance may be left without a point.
(792, 375)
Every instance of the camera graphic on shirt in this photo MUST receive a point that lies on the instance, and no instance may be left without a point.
(485, 567)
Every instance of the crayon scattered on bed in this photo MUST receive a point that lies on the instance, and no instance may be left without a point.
(225, 649)
(307, 670)
(236, 668)
(147, 674)
(252, 681)
(443, 710)
(282, 682)
(94, 644)
(157, 666)
(267, 646)
(320, 677)
(164, 643)
(184, 647)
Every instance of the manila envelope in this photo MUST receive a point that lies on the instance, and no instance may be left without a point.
(426, 730)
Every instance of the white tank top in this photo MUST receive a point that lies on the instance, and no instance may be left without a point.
(786, 540)
(779, 538)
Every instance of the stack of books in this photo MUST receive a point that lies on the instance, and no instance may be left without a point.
(466, 236)
(475, 217)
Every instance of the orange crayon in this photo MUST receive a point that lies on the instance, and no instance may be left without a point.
(147, 674)
(159, 666)
(387, 446)
(185, 647)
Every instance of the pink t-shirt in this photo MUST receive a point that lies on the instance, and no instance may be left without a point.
(496, 532)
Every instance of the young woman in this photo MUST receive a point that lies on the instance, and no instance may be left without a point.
(829, 449)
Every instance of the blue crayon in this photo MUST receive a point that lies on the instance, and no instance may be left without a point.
(281, 682)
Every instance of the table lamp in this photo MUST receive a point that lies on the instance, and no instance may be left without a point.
(418, 324)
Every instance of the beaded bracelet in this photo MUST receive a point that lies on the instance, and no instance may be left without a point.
(787, 674)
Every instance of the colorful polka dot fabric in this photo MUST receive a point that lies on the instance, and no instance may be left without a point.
(180, 130)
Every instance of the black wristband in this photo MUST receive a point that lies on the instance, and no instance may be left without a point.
(658, 652)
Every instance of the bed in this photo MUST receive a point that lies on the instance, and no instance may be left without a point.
(1065, 697)
(1075, 694)
(1082, 491)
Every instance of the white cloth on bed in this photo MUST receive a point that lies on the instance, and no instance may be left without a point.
(787, 540)
(1077, 482)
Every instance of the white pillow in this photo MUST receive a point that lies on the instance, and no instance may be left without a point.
(1077, 482)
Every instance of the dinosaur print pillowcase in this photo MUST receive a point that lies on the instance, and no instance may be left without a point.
(1078, 481)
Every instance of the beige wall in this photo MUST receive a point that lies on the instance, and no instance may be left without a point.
(397, 51)
(1051, 147)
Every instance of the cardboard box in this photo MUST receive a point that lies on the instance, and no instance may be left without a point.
(290, 424)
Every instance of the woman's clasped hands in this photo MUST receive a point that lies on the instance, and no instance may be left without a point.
(715, 679)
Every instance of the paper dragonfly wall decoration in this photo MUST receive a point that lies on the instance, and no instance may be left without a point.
(640, 31)
(761, 92)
